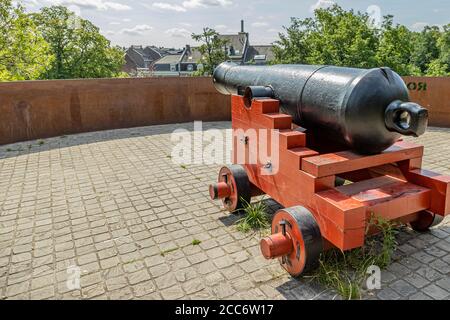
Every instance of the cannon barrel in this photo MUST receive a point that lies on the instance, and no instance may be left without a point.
(365, 109)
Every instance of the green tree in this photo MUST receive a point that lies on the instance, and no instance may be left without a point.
(333, 36)
(395, 47)
(79, 49)
(211, 49)
(444, 54)
(426, 48)
(24, 54)
(437, 68)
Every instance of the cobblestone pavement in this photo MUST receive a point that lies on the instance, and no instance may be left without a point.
(114, 204)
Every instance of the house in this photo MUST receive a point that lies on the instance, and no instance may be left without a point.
(154, 61)
(190, 60)
(184, 63)
(140, 59)
(237, 44)
(259, 54)
(240, 50)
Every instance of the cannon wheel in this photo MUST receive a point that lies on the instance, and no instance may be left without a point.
(425, 221)
(307, 243)
(237, 180)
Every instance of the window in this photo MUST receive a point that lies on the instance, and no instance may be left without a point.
(190, 67)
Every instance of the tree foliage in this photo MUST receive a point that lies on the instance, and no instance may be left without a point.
(333, 36)
(211, 49)
(79, 50)
(394, 47)
(346, 38)
(24, 54)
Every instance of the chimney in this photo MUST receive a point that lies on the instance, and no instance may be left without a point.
(188, 48)
(242, 26)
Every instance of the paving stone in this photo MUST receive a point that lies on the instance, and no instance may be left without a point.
(116, 283)
(436, 292)
(429, 273)
(87, 258)
(138, 277)
(419, 296)
(223, 290)
(172, 293)
(434, 251)
(416, 280)
(165, 281)
(194, 285)
(403, 288)
(388, 294)
(16, 289)
(223, 262)
(121, 294)
(444, 283)
(43, 293)
(42, 281)
(197, 258)
(143, 289)
(186, 274)
(114, 204)
(93, 291)
(440, 266)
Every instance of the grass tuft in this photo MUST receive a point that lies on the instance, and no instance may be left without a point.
(163, 253)
(196, 242)
(256, 217)
(345, 272)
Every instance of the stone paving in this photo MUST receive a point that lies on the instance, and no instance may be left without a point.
(114, 204)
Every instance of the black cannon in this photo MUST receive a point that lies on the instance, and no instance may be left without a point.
(364, 109)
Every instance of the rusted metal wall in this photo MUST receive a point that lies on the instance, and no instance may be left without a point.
(40, 109)
(434, 94)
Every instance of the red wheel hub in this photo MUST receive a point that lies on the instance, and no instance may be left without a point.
(296, 240)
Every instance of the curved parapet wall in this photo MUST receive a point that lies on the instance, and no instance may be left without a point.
(41, 109)
(432, 93)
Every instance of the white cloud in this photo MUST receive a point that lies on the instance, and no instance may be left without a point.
(136, 30)
(185, 24)
(273, 30)
(322, 4)
(178, 33)
(31, 3)
(259, 24)
(206, 3)
(114, 23)
(220, 27)
(166, 6)
(94, 4)
(418, 26)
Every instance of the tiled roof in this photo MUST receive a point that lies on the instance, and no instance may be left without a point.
(260, 50)
(169, 59)
(193, 55)
(236, 42)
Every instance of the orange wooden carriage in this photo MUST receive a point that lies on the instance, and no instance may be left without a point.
(320, 212)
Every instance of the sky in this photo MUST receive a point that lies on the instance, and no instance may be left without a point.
(170, 23)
